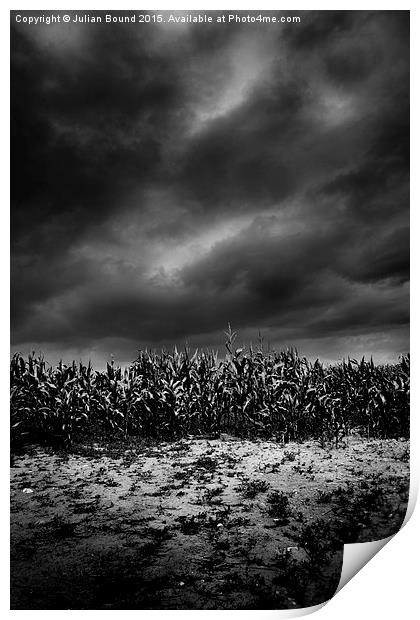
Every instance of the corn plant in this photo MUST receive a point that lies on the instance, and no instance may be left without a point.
(169, 395)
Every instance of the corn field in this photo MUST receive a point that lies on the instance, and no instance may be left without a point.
(174, 394)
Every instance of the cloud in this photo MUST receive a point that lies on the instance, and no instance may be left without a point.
(165, 184)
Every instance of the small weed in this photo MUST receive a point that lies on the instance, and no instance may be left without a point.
(279, 505)
(230, 460)
(181, 446)
(238, 522)
(212, 496)
(109, 482)
(144, 475)
(405, 455)
(221, 517)
(289, 455)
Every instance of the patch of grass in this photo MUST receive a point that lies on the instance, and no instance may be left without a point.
(212, 495)
(180, 446)
(23, 550)
(45, 500)
(206, 462)
(405, 455)
(324, 497)
(62, 528)
(182, 475)
(249, 489)
(230, 460)
(238, 522)
(399, 485)
(318, 540)
(304, 582)
(85, 507)
(192, 524)
(158, 534)
(232, 581)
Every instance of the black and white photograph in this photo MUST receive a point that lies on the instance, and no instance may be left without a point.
(210, 264)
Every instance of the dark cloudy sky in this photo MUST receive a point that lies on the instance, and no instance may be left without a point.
(167, 179)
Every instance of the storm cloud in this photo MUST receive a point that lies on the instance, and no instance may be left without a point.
(170, 178)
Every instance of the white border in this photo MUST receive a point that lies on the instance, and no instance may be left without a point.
(387, 586)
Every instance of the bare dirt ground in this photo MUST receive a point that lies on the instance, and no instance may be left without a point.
(197, 524)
